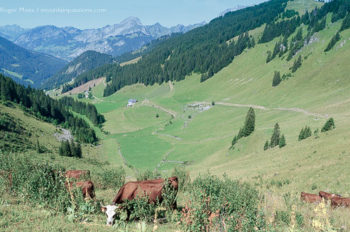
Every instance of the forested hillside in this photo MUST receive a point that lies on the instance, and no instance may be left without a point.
(204, 50)
(27, 67)
(208, 49)
(87, 61)
(57, 112)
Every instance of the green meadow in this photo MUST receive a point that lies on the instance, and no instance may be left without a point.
(190, 124)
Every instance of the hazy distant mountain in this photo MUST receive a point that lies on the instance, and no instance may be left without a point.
(11, 32)
(86, 61)
(69, 42)
(25, 66)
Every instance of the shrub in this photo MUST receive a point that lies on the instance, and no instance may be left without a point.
(183, 177)
(329, 125)
(112, 178)
(147, 175)
(214, 202)
(282, 216)
(37, 183)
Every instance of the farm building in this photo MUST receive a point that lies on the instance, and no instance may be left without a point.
(131, 102)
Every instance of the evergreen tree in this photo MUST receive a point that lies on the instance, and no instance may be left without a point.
(333, 41)
(266, 146)
(275, 138)
(346, 23)
(301, 134)
(276, 79)
(329, 125)
(297, 64)
(282, 142)
(249, 124)
(240, 133)
(234, 141)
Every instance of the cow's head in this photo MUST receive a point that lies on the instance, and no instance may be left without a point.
(174, 182)
(110, 211)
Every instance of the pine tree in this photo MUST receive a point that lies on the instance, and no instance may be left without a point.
(329, 125)
(266, 146)
(301, 134)
(275, 138)
(282, 142)
(333, 41)
(276, 79)
(346, 23)
(249, 124)
(234, 141)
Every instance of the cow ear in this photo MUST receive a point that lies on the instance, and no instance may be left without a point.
(103, 209)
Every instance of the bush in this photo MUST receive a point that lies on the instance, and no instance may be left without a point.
(329, 125)
(282, 216)
(213, 202)
(112, 178)
(148, 175)
(37, 183)
(183, 177)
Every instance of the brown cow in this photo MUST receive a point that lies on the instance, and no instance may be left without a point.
(310, 198)
(327, 196)
(87, 188)
(77, 174)
(340, 202)
(132, 190)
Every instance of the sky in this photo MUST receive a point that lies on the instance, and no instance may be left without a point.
(98, 13)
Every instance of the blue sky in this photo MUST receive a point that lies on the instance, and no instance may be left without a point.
(97, 13)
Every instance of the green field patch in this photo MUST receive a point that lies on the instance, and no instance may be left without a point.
(142, 149)
(128, 119)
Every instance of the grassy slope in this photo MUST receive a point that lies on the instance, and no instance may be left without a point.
(320, 86)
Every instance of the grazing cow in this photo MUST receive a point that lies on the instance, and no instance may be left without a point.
(327, 196)
(77, 174)
(132, 190)
(87, 188)
(340, 202)
(310, 198)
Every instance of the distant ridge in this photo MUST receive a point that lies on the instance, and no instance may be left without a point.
(69, 42)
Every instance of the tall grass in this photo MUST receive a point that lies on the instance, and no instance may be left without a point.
(36, 183)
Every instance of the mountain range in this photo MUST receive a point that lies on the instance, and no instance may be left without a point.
(69, 42)
(27, 67)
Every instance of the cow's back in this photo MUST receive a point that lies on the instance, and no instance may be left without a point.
(310, 198)
(77, 174)
(134, 189)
